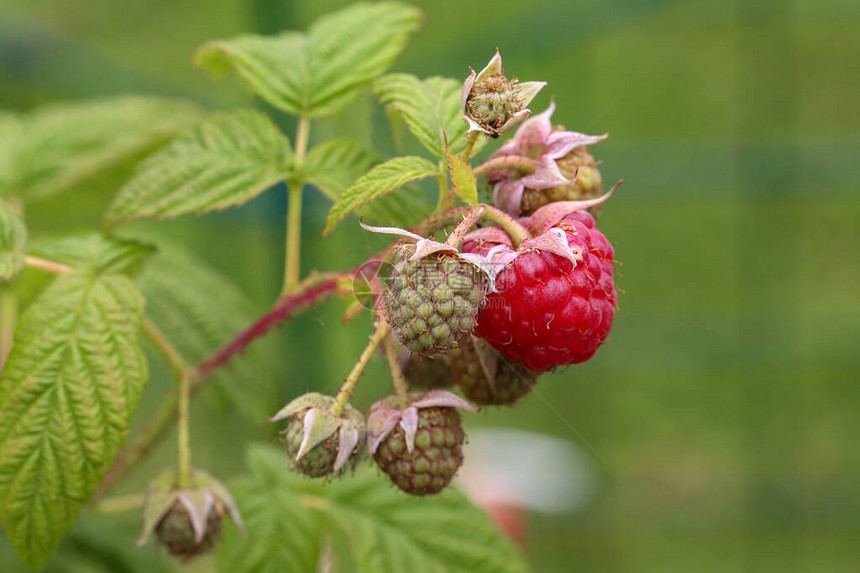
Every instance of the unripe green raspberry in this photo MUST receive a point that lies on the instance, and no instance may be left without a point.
(486, 377)
(418, 446)
(176, 532)
(427, 373)
(432, 302)
(585, 183)
(187, 521)
(435, 458)
(318, 442)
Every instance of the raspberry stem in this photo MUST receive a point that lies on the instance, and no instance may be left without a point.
(470, 144)
(183, 433)
(524, 165)
(456, 236)
(351, 381)
(401, 388)
(292, 255)
(517, 232)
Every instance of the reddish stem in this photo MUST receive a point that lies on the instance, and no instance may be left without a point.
(287, 306)
(283, 310)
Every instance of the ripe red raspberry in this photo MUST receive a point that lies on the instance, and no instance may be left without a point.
(547, 312)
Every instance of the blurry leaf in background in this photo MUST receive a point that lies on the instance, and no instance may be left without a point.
(10, 129)
(96, 253)
(362, 524)
(320, 72)
(13, 237)
(430, 107)
(225, 161)
(379, 181)
(68, 391)
(60, 145)
(96, 544)
(199, 309)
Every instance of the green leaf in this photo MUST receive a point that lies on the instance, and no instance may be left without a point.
(368, 525)
(62, 144)
(13, 236)
(199, 310)
(96, 253)
(430, 107)
(334, 166)
(316, 73)
(227, 160)
(67, 395)
(377, 182)
(463, 179)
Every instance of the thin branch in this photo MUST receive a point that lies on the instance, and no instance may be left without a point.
(522, 164)
(351, 381)
(46, 265)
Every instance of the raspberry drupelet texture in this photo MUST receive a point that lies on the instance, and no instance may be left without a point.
(431, 302)
(546, 311)
(435, 458)
(499, 383)
(176, 532)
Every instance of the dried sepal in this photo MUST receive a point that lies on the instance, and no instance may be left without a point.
(200, 507)
(493, 104)
(319, 442)
(385, 416)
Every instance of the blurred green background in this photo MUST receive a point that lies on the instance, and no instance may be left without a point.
(725, 410)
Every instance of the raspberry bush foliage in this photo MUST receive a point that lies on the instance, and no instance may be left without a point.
(506, 277)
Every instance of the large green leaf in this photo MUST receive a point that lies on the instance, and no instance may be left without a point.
(199, 309)
(430, 107)
(334, 166)
(227, 160)
(67, 395)
(316, 73)
(13, 236)
(96, 253)
(376, 183)
(366, 524)
(62, 144)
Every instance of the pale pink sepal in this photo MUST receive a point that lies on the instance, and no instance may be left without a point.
(349, 438)
(409, 423)
(380, 422)
(549, 215)
(546, 176)
(508, 194)
(560, 144)
(442, 398)
(553, 241)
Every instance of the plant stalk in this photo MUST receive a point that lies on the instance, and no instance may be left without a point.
(517, 232)
(46, 265)
(292, 259)
(351, 381)
(292, 256)
(524, 165)
(401, 387)
(183, 431)
(120, 503)
(470, 144)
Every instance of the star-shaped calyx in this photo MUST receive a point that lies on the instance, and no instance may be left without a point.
(565, 169)
(319, 442)
(187, 521)
(492, 103)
